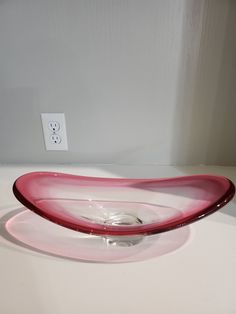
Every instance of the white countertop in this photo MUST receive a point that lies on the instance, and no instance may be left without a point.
(197, 278)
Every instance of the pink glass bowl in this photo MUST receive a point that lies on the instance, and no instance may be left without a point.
(122, 207)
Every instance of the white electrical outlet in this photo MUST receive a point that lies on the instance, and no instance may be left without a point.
(54, 126)
(55, 139)
(54, 130)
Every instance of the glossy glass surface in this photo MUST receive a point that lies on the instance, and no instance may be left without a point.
(122, 207)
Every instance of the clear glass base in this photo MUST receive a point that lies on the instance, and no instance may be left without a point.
(123, 219)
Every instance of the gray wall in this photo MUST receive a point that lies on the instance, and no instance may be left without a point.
(140, 81)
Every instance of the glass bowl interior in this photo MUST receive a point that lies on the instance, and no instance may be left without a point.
(122, 207)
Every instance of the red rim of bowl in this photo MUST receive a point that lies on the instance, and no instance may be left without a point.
(112, 230)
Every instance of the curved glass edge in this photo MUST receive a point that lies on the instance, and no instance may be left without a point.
(99, 229)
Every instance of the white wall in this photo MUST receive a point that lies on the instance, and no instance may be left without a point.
(140, 81)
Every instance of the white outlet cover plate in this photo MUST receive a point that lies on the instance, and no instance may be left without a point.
(61, 132)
